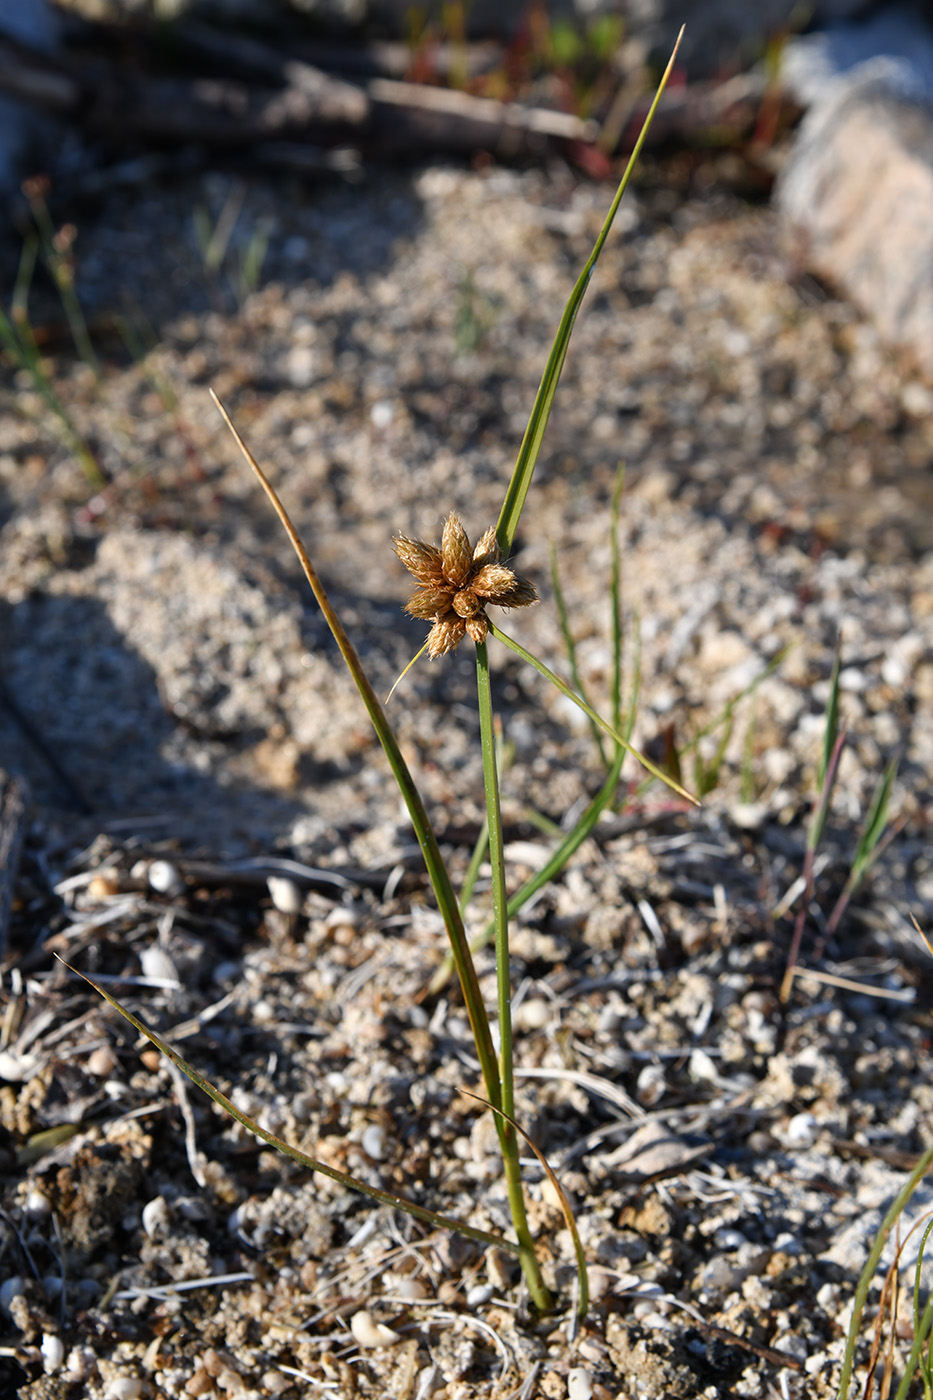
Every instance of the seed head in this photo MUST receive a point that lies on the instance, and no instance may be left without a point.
(456, 584)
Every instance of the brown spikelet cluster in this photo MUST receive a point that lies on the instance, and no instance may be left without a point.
(455, 585)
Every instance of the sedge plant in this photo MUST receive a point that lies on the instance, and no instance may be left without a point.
(456, 583)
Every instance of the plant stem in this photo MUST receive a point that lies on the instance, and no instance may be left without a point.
(427, 840)
(507, 1135)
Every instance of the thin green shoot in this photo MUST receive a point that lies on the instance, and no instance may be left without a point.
(507, 1136)
(919, 1357)
(570, 647)
(615, 601)
(873, 840)
(893, 1215)
(530, 449)
(706, 772)
(56, 245)
(817, 825)
(747, 780)
(213, 235)
(567, 848)
(827, 770)
(504, 756)
(18, 340)
(385, 1198)
(583, 1299)
(726, 715)
(607, 728)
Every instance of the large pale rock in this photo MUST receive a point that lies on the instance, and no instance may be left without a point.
(858, 190)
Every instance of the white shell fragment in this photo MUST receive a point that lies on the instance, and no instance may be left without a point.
(368, 1332)
(155, 1216)
(579, 1385)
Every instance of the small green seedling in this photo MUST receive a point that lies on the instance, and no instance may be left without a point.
(873, 838)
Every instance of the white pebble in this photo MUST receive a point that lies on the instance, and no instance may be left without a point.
(532, 1015)
(650, 1085)
(102, 1062)
(382, 413)
(124, 1388)
(579, 1385)
(36, 1204)
(802, 1130)
(479, 1294)
(286, 895)
(368, 1332)
(156, 963)
(373, 1142)
(16, 1069)
(164, 878)
(53, 1353)
(703, 1067)
(429, 1380)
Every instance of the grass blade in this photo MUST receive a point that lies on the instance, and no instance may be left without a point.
(517, 490)
(615, 597)
(427, 840)
(583, 1301)
(506, 1108)
(589, 712)
(571, 842)
(385, 1198)
(570, 647)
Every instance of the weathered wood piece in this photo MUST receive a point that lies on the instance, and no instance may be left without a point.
(14, 816)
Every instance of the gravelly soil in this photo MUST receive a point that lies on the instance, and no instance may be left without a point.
(725, 1154)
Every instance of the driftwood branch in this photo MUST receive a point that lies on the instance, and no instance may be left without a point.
(252, 95)
(307, 103)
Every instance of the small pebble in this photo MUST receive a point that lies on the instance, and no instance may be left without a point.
(532, 1015)
(104, 884)
(16, 1069)
(10, 1288)
(37, 1204)
(478, 1295)
(156, 963)
(124, 1388)
(286, 895)
(102, 1062)
(53, 1353)
(373, 1142)
(802, 1130)
(650, 1085)
(429, 1380)
(367, 1332)
(164, 878)
(579, 1384)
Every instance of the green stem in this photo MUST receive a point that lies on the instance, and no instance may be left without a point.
(564, 689)
(507, 1135)
(427, 840)
(895, 1210)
